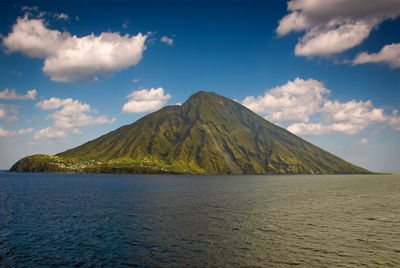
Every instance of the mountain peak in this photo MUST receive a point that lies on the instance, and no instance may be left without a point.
(201, 95)
(209, 100)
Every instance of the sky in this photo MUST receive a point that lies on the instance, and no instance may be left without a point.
(328, 71)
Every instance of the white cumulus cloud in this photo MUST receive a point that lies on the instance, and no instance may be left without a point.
(349, 118)
(336, 25)
(389, 54)
(145, 100)
(295, 101)
(69, 118)
(358, 114)
(8, 94)
(299, 101)
(69, 58)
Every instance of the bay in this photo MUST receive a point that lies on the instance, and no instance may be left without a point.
(166, 220)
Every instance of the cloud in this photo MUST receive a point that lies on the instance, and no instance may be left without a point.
(362, 141)
(34, 11)
(394, 120)
(295, 101)
(16, 72)
(145, 100)
(304, 129)
(62, 16)
(53, 103)
(72, 115)
(28, 8)
(2, 112)
(358, 114)
(6, 133)
(324, 43)
(136, 80)
(5, 111)
(167, 40)
(125, 24)
(69, 58)
(349, 118)
(8, 94)
(389, 54)
(299, 101)
(50, 133)
(334, 26)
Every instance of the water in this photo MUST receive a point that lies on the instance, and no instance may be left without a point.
(158, 221)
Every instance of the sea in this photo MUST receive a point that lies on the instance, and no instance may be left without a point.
(100, 220)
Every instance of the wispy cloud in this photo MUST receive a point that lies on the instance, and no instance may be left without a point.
(11, 94)
(362, 141)
(167, 40)
(16, 72)
(125, 24)
(7, 133)
(8, 112)
(63, 16)
(36, 12)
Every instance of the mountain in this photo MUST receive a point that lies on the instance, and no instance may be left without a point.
(208, 134)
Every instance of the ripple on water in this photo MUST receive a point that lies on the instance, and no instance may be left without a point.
(136, 220)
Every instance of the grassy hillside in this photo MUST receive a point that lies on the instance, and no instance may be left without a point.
(208, 134)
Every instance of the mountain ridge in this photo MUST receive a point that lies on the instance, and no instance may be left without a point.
(208, 134)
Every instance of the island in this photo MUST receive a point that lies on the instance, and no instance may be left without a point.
(208, 134)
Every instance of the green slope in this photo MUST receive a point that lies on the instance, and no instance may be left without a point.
(208, 134)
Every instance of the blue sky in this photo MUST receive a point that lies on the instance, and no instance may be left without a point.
(74, 70)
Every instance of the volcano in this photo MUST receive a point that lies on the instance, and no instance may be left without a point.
(208, 134)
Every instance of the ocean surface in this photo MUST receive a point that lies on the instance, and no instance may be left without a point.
(226, 221)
